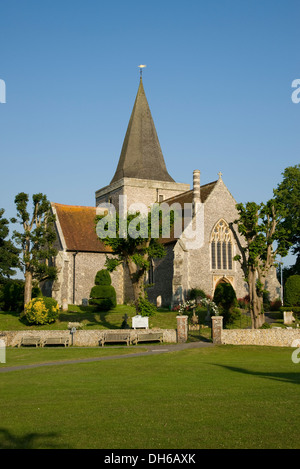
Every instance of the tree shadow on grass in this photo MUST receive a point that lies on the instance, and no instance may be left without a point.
(28, 441)
(91, 316)
(293, 378)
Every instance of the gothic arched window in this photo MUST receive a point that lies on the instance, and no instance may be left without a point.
(221, 247)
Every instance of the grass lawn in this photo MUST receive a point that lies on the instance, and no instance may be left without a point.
(90, 318)
(216, 397)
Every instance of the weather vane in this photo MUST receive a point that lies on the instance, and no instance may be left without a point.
(141, 69)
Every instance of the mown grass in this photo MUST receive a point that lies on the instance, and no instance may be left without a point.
(217, 397)
(19, 357)
(90, 319)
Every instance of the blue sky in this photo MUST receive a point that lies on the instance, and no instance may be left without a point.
(218, 82)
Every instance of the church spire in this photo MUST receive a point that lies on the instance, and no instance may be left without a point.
(141, 156)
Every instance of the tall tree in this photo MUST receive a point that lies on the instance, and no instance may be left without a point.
(264, 238)
(9, 254)
(287, 193)
(132, 243)
(36, 240)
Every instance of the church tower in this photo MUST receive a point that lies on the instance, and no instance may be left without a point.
(141, 172)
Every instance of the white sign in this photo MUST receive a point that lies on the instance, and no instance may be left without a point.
(140, 322)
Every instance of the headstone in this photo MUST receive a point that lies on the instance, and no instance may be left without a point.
(288, 317)
(64, 305)
(85, 302)
(125, 324)
(158, 301)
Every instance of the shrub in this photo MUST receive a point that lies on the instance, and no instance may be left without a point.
(292, 291)
(265, 325)
(103, 277)
(275, 305)
(244, 302)
(41, 310)
(266, 300)
(196, 293)
(12, 295)
(103, 294)
(225, 299)
(145, 308)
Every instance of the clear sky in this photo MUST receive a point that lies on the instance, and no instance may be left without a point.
(218, 82)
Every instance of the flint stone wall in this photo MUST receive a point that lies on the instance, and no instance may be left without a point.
(81, 338)
(273, 337)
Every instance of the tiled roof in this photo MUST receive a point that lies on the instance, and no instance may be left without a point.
(77, 224)
(187, 197)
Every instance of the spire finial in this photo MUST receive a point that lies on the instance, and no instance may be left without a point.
(220, 175)
(141, 69)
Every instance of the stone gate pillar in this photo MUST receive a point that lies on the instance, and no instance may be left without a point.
(217, 326)
(182, 328)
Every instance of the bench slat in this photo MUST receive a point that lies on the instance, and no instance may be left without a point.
(56, 341)
(115, 338)
(30, 341)
(149, 337)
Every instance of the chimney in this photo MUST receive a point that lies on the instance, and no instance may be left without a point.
(196, 191)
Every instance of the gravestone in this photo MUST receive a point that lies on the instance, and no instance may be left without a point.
(288, 317)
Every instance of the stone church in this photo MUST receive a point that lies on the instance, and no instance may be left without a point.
(141, 176)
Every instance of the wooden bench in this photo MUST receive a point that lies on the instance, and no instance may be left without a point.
(111, 337)
(150, 337)
(56, 341)
(30, 341)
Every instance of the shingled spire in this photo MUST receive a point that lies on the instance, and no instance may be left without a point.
(141, 156)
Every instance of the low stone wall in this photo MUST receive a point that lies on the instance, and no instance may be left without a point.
(81, 338)
(277, 337)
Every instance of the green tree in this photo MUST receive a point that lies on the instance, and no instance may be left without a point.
(292, 291)
(287, 194)
(9, 254)
(131, 241)
(36, 240)
(265, 238)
